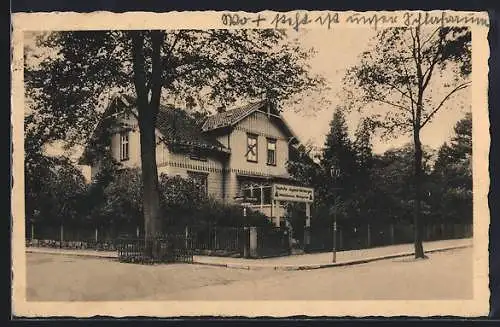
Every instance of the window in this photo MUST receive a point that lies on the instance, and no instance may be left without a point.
(200, 179)
(124, 146)
(251, 148)
(271, 152)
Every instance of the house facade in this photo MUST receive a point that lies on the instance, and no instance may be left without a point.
(235, 155)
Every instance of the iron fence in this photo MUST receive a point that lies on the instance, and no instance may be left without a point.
(367, 236)
(167, 248)
(76, 237)
(180, 243)
(222, 241)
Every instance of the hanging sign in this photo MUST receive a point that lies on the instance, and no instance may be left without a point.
(291, 193)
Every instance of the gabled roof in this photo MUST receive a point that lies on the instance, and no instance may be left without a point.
(176, 126)
(230, 117)
(233, 116)
(180, 128)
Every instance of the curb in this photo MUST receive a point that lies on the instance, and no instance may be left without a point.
(327, 265)
(261, 267)
(75, 254)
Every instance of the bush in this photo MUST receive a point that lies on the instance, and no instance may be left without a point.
(210, 212)
(184, 203)
(114, 202)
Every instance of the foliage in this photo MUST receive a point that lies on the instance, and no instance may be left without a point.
(68, 87)
(452, 194)
(338, 154)
(121, 202)
(411, 73)
(180, 199)
(54, 186)
(55, 189)
(391, 192)
(182, 202)
(301, 165)
(215, 213)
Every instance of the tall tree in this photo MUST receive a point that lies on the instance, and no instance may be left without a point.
(362, 179)
(302, 166)
(338, 154)
(413, 73)
(68, 86)
(452, 174)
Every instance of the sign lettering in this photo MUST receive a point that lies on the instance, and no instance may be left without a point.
(291, 193)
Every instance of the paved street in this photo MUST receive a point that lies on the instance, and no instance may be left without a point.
(446, 275)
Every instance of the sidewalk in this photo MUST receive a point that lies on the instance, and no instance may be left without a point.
(324, 260)
(294, 262)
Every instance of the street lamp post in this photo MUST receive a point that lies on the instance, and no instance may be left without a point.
(334, 173)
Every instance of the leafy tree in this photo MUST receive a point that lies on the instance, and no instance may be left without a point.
(121, 205)
(391, 196)
(181, 198)
(227, 65)
(452, 196)
(413, 73)
(55, 190)
(54, 187)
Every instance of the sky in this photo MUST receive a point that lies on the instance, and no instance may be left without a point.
(336, 51)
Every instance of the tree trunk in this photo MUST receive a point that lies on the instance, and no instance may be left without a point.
(417, 223)
(151, 198)
(147, 123)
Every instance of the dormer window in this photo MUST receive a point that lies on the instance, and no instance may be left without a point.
(124, 145)
(252, 149)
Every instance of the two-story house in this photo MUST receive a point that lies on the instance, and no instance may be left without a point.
(234, 154)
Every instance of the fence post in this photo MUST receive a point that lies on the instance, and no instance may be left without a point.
(392, 233)
(368, 236)
(96, 233)
(253, 242)
(186, 235)
(32, 231)
(340, 240)
(246, 242)
(237, 238)
(215, 238)
(137, 231)
(61, 235)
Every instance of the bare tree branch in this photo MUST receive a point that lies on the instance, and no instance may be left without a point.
(433, 112)
(392, 104)
(428, 72)
(405, 94)
(430, 37)
(409, 86)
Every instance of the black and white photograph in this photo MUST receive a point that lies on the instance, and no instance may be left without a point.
(256, 162)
